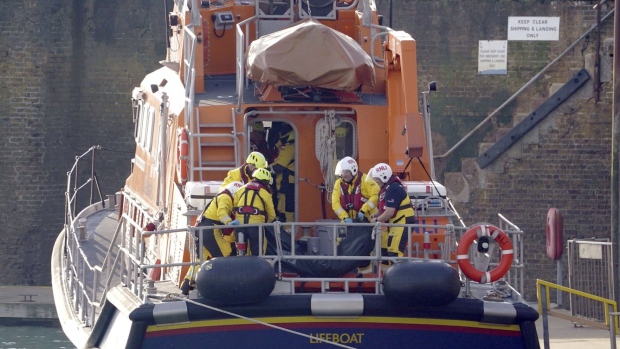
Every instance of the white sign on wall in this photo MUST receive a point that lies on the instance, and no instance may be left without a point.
(534, 28)
(492, 57)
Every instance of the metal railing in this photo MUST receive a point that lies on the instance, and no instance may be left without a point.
(126, 260)
(590, 269)
(608, 306)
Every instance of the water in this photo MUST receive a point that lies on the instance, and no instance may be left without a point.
(33, 337)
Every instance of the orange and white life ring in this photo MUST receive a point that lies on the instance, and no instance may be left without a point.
(555, 234)
(182, 155)
(505, 245)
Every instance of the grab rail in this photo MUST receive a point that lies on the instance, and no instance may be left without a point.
(88, 284)
(544, 308)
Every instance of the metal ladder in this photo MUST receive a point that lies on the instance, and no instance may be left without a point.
(218, 134)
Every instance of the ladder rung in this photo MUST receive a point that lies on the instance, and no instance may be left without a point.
(216, 125)
(217, 144)
(218, 163)
(213, 168)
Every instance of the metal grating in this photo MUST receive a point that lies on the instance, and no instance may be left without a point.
(590, 270)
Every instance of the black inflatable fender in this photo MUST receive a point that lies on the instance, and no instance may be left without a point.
(235, 280)
(432, 283)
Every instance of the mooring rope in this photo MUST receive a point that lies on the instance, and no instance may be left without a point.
(173, 296)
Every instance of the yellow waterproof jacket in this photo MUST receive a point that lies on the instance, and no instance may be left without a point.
(284, 161)
(220, 208)
(236, 175)
(369, 193)
(254, 202)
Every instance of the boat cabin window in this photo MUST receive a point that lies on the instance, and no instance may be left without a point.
(137, 116)
(346, 139)
(145, 123)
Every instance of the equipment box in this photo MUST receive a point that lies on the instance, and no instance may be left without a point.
(199, 194)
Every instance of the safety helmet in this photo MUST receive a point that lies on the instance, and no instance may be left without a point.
(347, 163)
(382, 171)
(233, 187)
(257, 159)
(262, 174)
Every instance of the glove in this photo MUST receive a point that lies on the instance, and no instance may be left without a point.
(348, 220)
(360, 215)
(235, 222)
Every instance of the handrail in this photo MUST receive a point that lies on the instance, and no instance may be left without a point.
(89, 284)
(544, 308)
(532, 80)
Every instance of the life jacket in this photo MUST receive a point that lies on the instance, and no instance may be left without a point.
(405, 204)
(203, 216)
(353, 201)
(248, 208)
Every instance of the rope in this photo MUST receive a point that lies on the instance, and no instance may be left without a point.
(174, 296)
(326, 154)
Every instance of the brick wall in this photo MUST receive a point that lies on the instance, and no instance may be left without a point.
(563, 163)
(67, 69)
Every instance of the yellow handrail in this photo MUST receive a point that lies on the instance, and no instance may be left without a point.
(547, 285)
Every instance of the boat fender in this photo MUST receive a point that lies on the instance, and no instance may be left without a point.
(433, 283)
(182, 155)
(235, 280)
(504, 243)
(555, 234)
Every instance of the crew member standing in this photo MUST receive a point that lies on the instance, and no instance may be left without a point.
(253, 205)
(284, 168)
(244, 173)
(353, 197)
(394, 207)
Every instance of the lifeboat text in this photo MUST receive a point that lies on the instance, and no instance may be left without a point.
(345, 338)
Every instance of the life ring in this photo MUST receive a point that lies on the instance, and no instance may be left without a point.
(505, 245)
(182, 155)
(555, 234)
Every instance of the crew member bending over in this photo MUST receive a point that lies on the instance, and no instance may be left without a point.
(244, 173)
(394, 207)
(253, 205)
(215, 242)
(353, 197)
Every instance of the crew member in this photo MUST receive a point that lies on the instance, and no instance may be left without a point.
(394, 207)
(244, 173)
(258, 142)
(215, 242)
(284, 168)
(253, 205)
(353, 197)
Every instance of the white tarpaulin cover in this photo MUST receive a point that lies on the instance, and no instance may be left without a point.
(309, 54)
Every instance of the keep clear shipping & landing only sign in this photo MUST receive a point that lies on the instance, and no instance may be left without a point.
(534, 28)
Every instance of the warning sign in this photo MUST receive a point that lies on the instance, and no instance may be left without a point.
(534, 28)
(492, 57)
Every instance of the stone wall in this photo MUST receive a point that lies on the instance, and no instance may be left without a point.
(562, 163)
(67, 69)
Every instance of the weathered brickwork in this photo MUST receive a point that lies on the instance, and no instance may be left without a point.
(562, 163)
(67, 69)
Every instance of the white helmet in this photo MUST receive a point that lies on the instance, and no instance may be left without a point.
(347, 163)
(382, 171)
(233, 187)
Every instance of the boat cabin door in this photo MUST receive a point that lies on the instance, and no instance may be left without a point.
(276, 141)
